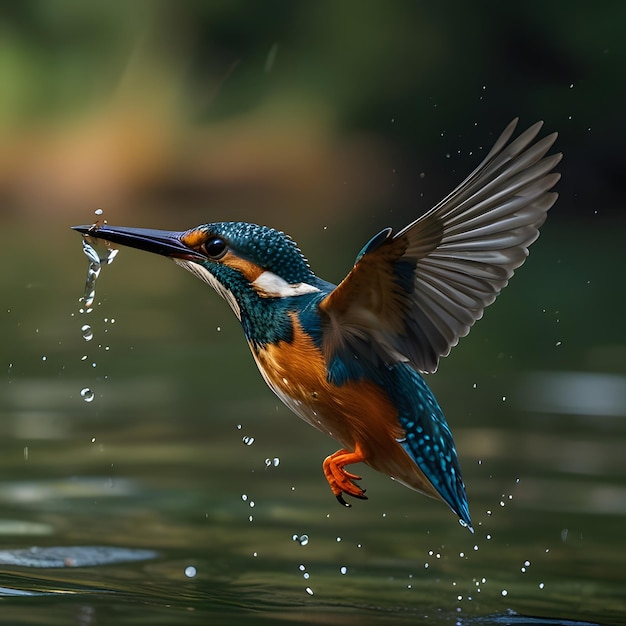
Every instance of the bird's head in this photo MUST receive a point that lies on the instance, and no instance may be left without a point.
(243, 262)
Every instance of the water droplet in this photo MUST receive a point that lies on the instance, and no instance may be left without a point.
(190, 571)
(504, 592)
(303, 540)
(87, 332)
(244, 497)
(309, 591)
(44, 358)
(272, 462)
(93, 271)
(343, 570)
(98, 211)
(541, 585)
(87, 395)
(248, 440)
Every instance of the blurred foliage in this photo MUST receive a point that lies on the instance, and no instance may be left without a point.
(329, 106)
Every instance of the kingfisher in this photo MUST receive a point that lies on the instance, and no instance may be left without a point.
(349, 359)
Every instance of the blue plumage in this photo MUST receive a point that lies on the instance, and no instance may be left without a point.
(428, 439)
(270, 249)
(427, 436)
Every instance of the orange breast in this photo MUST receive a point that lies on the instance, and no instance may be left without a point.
(357, 411)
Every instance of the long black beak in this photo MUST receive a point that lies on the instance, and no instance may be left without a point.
(162, 242)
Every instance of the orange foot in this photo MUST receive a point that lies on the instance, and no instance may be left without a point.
(340, 480)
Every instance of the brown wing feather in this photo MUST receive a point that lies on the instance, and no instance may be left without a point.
(461, 254)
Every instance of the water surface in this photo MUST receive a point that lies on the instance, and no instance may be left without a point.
(198, 496)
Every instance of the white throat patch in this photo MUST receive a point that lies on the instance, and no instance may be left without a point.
(207, 277)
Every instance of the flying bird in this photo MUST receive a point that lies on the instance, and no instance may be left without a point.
(350, 359)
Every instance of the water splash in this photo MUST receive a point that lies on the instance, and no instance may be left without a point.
(99, 253)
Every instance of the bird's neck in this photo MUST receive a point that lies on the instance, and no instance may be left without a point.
(266, 319)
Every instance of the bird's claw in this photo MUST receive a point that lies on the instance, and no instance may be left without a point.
(340, 480)
(341, 501)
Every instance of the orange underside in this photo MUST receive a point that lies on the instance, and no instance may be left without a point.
(358, 414)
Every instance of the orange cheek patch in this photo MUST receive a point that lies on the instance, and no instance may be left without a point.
(194, 239)
(250, 270)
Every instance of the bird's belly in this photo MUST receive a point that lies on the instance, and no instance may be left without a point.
(306, 394)
(358, 411)
(313, 415)
(355, 411)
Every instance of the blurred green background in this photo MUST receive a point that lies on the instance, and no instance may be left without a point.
(344, 107)
(329, 120)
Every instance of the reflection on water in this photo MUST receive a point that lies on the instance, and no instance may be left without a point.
(575, 393)
(72, 556)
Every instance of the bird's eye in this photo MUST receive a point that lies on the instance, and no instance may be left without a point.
(215, 248)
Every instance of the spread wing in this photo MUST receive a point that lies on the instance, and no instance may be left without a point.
(412, 295)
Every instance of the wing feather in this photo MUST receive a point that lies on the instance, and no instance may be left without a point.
(411, 296)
